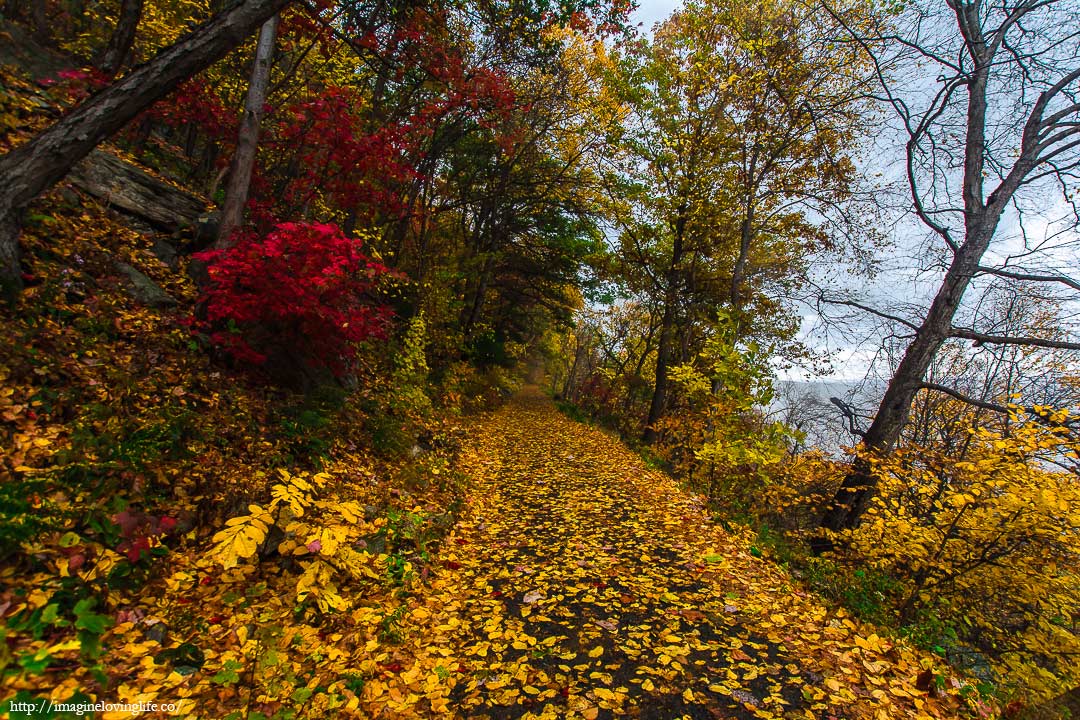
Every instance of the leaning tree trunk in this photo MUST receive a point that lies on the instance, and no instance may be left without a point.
(850, 500)
(980, 222)
(247, 142)
(123, 37)
(37, 165)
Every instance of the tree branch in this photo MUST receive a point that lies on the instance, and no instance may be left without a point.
(980, 338)
(1040, 416)
(849, 413)
(872, 311)
(945, 390)
(1032, 277)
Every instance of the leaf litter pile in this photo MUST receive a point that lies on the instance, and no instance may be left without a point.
(582, 585)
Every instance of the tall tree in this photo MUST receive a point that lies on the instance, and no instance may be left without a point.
(36, 165)
(247, 142)
(1004, 111)
(668, 181)
(743, 117)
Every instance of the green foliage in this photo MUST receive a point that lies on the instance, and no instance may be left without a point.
(930, 629)
(396, 411)
(389, 435)
(26, 513)
(572, 411)
(307, 429)
(718, 439)
(488, 349)
(228, 675)
(410, 376)
(107, 439)
(391, 627)
(407, 530)
(399, 570)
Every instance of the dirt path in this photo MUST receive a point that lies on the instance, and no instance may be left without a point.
(582, 585)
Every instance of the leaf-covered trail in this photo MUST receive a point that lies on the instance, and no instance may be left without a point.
(580, 584)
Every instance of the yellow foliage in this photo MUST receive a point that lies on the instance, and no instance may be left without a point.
(242, 536)
(161, 24)
(990, 538)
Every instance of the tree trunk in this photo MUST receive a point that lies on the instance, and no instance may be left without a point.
(981, 218)
(123, 37)
(738, 271)
(247, 142)
(12, 9)
(667, 330)
(746, 237)
(39, 19)
(479, 296)
(37, 165)
(980, 222)
(10, 272)
(663, 361)
(854, 493)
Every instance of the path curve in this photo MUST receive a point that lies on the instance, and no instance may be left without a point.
(580, 584)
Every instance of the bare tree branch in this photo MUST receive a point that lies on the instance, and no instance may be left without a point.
(965, 398)
(872, 311)
(848, 412)
(981, 338)
(1030, 277)
(1041, 416)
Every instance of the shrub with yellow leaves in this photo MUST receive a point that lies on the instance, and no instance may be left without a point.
(719, 439)
(989, 539)
(322, 542)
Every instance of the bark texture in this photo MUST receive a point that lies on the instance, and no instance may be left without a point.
(666, 347)
(131, 189)
(123, 37)
(247, 142)
(37, 165)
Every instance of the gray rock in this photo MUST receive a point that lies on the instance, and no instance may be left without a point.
(165, 252)
(964, 657)
(157, 632)
(134, 191)
(745, 697)
(375, 544)
(144, 289)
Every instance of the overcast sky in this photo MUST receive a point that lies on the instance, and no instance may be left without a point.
(909, 269)
(652, 11)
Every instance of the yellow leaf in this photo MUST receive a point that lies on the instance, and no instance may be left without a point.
(238, 541)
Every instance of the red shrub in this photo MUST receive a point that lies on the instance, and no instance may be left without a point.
(303, 288)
